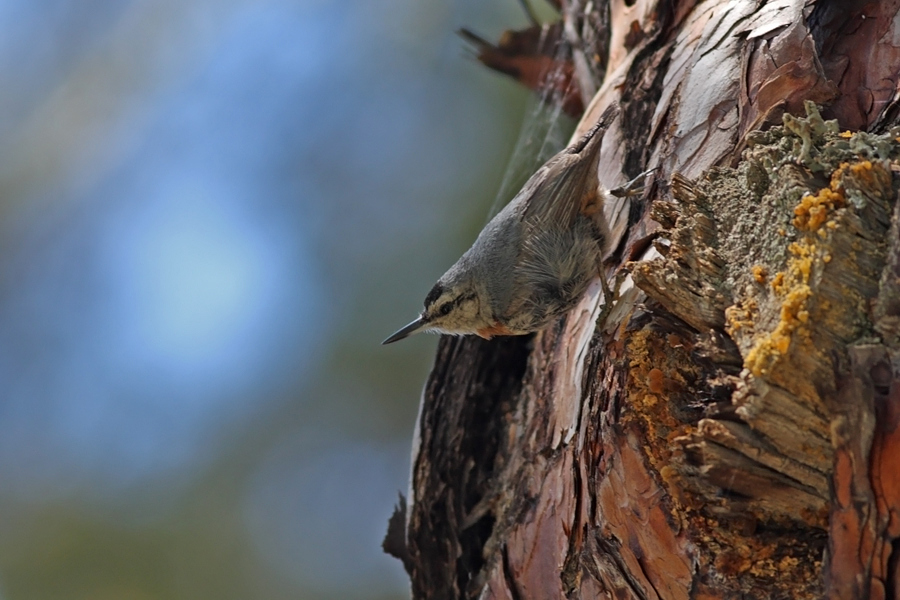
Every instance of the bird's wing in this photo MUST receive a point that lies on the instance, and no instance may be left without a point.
(556, 199)
(553, 197)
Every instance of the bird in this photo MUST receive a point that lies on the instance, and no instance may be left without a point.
(535, 259)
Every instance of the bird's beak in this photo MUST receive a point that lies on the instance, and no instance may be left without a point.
(414, 327)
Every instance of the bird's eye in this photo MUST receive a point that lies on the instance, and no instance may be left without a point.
(445, 309)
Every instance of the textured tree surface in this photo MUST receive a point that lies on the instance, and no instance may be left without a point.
(729, 427)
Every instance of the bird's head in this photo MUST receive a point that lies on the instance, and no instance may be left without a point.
(452, 306)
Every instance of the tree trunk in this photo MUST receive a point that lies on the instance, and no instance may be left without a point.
(728, 427)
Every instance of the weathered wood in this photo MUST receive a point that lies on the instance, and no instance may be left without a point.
(729, 428)
(470, 396)
(819, 202)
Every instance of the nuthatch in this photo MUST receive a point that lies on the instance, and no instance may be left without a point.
(535, 259)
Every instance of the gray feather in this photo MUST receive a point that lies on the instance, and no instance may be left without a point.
(556, 267)
(535, 259)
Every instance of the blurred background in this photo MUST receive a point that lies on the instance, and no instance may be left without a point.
(211, 214)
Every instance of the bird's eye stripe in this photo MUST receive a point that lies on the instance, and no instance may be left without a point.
(434, 294)
(448, 306)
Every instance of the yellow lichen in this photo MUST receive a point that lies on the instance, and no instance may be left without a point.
(861, 167)
(740, 316)
(804, 252)
(793, 285)
(873, 176)
(759, 273)
(777, 343)
(788, 563)
(813, 211)
(778, 282)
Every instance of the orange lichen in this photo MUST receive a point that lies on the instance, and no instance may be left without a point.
(778, 282)
(656, 381)
(862, 166)
(803, 262)
(732, 551)
(793, 285)
(740, 316)
(814, 217)
(872, 176)
(793, 315)
(813, 211)
(837, 175)
(759, 273)
(655, 372)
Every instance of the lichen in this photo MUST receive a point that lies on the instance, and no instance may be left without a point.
(792, 284)
(813, 211)
(809, 134)
(793, 242)
(815, 222)
(760, 273)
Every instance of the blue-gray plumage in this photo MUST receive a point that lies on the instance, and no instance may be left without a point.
(535, 259)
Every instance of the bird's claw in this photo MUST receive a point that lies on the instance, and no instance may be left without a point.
(609, 297)
(635, 187)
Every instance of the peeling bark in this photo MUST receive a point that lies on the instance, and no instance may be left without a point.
(730, 426)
